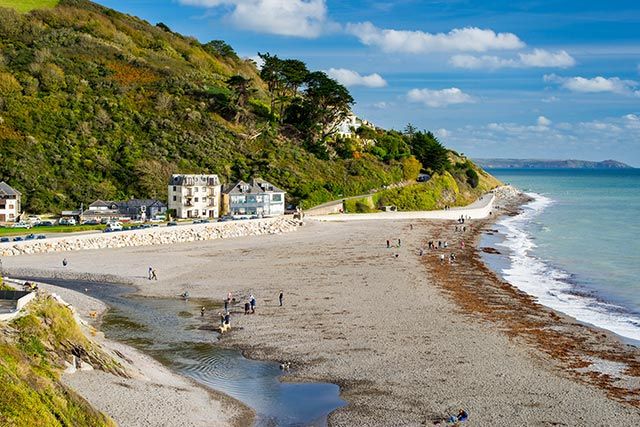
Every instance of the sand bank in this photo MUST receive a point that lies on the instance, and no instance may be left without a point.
(405, 347)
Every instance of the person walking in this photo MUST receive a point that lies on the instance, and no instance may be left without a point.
(246, 307)
(153, 274)
(281, 297)
(388, 244)
(150, 271)
(64, 262)
(202, 311)
(252, 302)
(226, 304)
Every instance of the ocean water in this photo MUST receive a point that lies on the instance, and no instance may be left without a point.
(576, 246)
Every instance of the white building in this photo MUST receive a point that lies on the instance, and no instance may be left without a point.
(348, 126)
(9, 203)
(195, 196)
(255, 198)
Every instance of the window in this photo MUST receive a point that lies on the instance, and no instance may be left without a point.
(174, 188)
(174, 198)
(195, 189)
(204, 212)
(276, 197)
(195, 199)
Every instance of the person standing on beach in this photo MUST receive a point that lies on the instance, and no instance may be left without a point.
(150, 271)
(399, 243)
(226, 304)
(388, 244)
(246, 307)
(153, 274)
(202, 311)
(64, 262)
(252, 301)
(281, 297)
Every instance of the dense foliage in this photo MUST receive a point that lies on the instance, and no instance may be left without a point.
(98, 104)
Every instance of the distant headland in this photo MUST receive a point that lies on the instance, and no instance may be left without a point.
(549, 164)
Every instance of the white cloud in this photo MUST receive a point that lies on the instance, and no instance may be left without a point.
(595, 84)
(258, 61)
(442, 133)
(543, 58)
(439, 98)
(538, 58)
(299, 18)
(352, 78)
(543, 121)
(381, 105)
(470, 39)
(550, 99)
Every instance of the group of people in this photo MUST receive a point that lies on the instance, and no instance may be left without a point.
(461, 417)
(152, 274)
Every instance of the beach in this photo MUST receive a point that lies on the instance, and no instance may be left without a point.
(150, 394)
(409, 339)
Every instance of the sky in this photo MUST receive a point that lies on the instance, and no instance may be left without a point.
(556, 79)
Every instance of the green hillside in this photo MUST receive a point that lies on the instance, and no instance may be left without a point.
(98, 104)
(27, 5)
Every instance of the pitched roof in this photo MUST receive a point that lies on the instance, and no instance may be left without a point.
(186, 179)
(266, 186)
(242, 187)
(7, 190)
(135, 203)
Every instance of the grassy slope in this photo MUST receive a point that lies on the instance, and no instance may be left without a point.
(449, 188)
(98, 104)
(27, 5)
(31, 359)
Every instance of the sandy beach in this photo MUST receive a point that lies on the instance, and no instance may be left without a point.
(409, 339)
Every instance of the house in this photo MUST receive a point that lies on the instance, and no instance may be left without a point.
(10, 207)
(195, 196)
(348, 126)
(255, 198)
(140, 209)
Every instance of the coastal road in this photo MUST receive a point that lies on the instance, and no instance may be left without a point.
(481, 208)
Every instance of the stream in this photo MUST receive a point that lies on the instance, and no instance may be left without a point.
(173, 332)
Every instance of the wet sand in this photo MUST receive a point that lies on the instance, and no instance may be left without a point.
(408, 339)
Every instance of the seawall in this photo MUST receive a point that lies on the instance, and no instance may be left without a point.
(153, 236)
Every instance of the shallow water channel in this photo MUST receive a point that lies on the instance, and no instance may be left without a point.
(172, 331)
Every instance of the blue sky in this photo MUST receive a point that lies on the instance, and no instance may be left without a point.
(495, 78)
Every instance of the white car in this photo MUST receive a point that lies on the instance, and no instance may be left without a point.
(21, 224)
(67, 221)
(113, 226)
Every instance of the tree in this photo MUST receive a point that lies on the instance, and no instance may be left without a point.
(284, 77)
(242, 89)
(220, 48)
(410, 168)
(326, 104)
(428, 150)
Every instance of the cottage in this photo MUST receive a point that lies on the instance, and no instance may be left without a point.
(254, 198)
(9, 203)
(195, 196)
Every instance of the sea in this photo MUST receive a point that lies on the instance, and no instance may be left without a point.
(576, 246)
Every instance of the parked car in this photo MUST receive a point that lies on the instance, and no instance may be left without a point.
(91, 222)
(30, 236)
(172, 224)
(113, 226)
(67, 221)
(41, 236)
(18, 239)
(4, 239)
(21, 224)
(46, 223)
